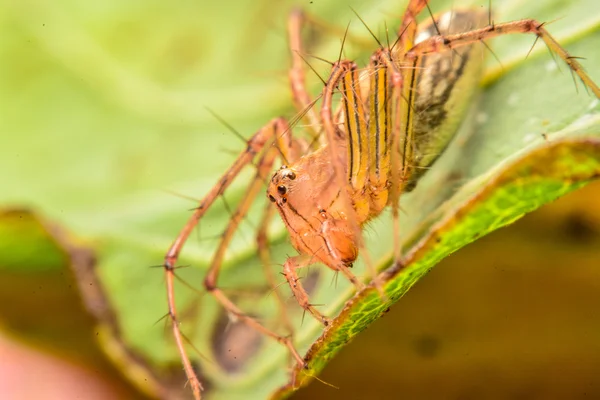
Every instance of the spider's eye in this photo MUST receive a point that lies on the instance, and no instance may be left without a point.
(284, 200)
(291, 175)
(272, 199)
(281, 190)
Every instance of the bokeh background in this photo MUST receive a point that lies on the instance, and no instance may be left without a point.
(513, 315)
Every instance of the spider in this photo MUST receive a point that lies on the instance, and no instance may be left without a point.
(389, 127)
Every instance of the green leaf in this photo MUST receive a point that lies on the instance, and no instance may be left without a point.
(27, 246)
(103, 109)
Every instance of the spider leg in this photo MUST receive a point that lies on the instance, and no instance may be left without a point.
(440, 43)
(255, 145)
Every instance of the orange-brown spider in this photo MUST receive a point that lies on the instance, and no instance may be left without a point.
(385, 132)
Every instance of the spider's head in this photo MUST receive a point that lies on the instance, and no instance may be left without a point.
(279, 187)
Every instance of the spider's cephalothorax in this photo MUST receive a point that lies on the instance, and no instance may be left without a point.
(311, 206)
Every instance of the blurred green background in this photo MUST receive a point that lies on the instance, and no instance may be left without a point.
(101, 108)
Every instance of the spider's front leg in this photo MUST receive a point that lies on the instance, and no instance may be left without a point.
(259, 147)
